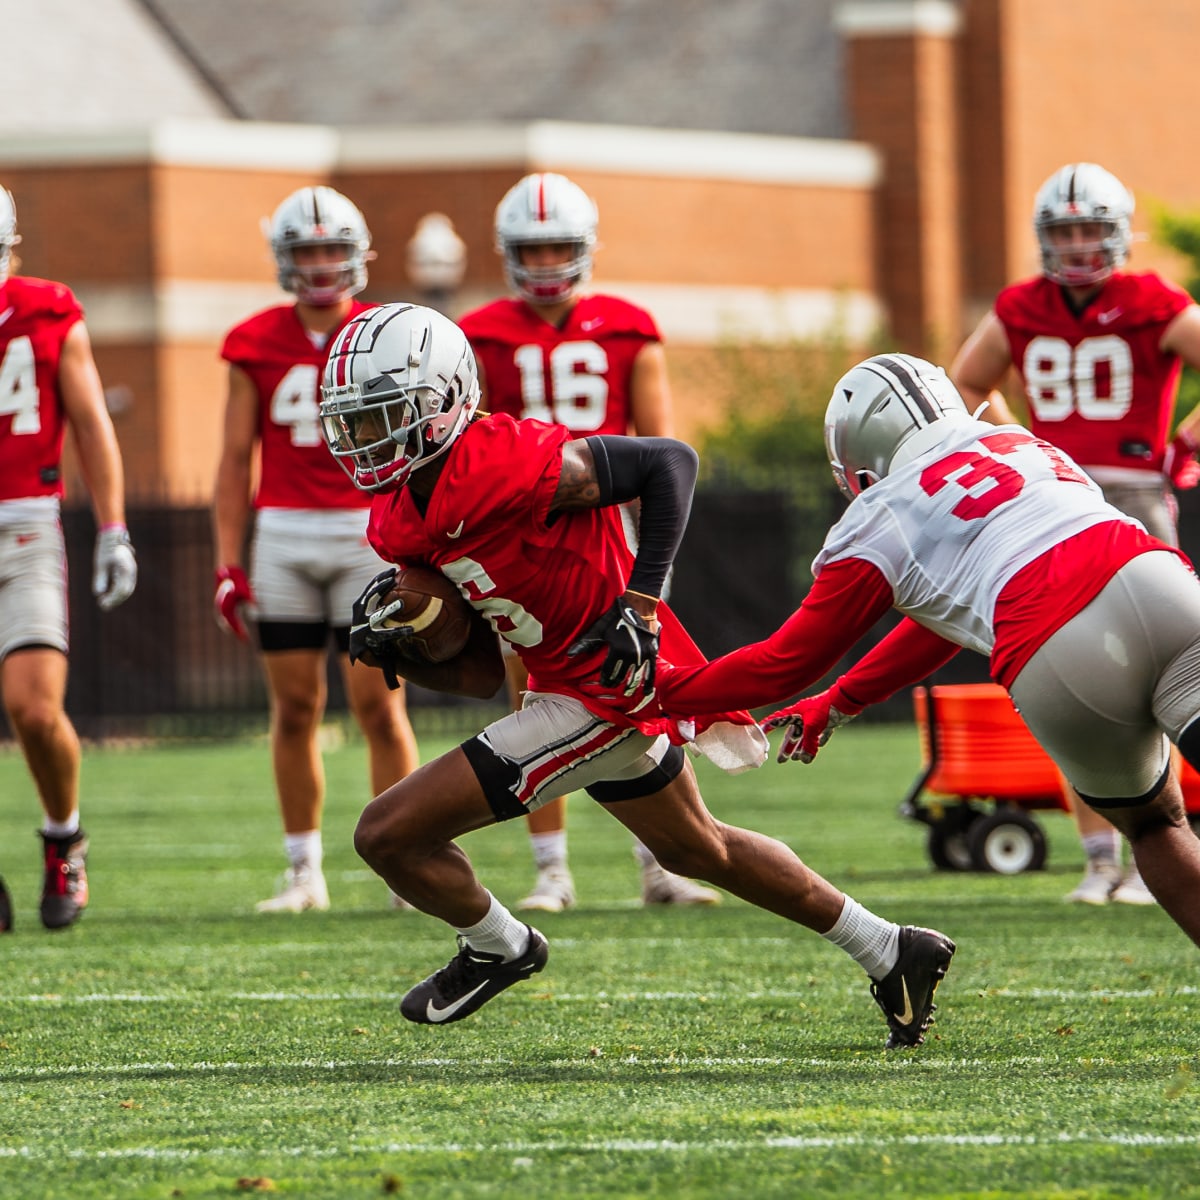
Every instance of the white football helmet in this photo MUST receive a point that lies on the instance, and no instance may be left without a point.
(1083, 192)
(877, 408)
(400, 385)
(9, 236)
(320, 216)
(540, 209)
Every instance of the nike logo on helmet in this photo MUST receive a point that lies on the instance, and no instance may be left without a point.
(905, 1017)
(437, 1015)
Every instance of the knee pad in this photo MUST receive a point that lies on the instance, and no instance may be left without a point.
(1189, 742)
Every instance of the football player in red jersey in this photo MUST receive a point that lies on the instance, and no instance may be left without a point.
(524, 518)
(49, 382)
(1098, 352)
(309, 553)
(593, 364)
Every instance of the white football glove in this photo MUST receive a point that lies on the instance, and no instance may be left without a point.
(114, 574)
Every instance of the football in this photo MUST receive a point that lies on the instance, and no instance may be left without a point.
(435, 610)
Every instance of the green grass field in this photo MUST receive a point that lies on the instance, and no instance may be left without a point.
(175, 1044)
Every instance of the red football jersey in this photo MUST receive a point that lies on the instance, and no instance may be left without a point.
(285, 367)
(1097, 383)
(35, 317)
(576, 376)
(540, 583)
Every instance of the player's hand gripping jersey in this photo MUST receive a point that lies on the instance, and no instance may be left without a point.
(37, 315)
(285, 366)
(1097, 383)
(576, 376)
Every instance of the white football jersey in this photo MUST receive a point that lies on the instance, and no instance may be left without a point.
(951, 527)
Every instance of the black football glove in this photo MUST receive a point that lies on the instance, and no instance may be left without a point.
(632, 648)
(367, 633)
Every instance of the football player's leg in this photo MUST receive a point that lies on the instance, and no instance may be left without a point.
(406, 835)
(382, 715)
(687, 839)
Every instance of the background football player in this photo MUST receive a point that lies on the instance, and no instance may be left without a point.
(593, 364)
(309, 554)
(50, 383)
(1099, 353)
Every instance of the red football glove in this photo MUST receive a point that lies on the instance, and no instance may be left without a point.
(1180, 463)
(810, 723)
(232, 592)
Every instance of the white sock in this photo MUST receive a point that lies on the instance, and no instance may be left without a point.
(549, 849)
(644, 857)
(304, 849)
(871, 941)
(1104, 847)
(498, 933)
(61, 829)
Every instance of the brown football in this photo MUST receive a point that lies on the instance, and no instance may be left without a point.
(440, 618)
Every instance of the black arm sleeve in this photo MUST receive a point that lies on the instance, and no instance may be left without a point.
(661, 472)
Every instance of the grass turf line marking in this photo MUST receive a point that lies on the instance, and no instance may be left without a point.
(620, 1146)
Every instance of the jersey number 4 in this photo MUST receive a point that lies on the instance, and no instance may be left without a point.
(577, 393)
(19, 396)
(1061, 379)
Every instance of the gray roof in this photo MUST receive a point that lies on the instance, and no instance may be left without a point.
(752, 66)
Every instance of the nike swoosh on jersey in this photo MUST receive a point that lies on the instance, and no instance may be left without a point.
(454, 533)
(8, 312)
(1107, 318)
(905, 1017)
(437, 1015)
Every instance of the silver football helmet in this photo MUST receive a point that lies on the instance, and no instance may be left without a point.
(320, 216)
(400, 385)
(541, 209)
(877, 408)
(1075, 193)
(9, 236)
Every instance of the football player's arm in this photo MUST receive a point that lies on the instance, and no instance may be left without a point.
(846, 599)
(92, 427)
(979, 369)
(1182, 337)
(661, 473)
(650, 409)
(231, 492)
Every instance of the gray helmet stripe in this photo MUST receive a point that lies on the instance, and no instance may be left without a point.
(908, 386)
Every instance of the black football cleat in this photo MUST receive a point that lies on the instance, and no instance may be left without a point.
(905, 993)
(469, 980)
(65, 883)
(6, 909)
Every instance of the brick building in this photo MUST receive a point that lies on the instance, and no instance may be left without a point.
(949, 115)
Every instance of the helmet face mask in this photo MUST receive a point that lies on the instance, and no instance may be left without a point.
(877, 410)
(320, 216)
(400, 385)
(1081, 219)
(9, 236)
(542, 210)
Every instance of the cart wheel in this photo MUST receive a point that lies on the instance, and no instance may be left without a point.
(948, 845)
(1007, 842)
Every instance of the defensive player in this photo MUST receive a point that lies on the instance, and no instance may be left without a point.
(993, 539)
(309, 553)
(49, 383)
(523, 518)
(1098, 352)
(593, 364)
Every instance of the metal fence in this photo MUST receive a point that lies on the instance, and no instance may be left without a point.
(159, 667)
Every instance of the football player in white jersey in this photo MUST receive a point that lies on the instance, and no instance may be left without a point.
(990, 538)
